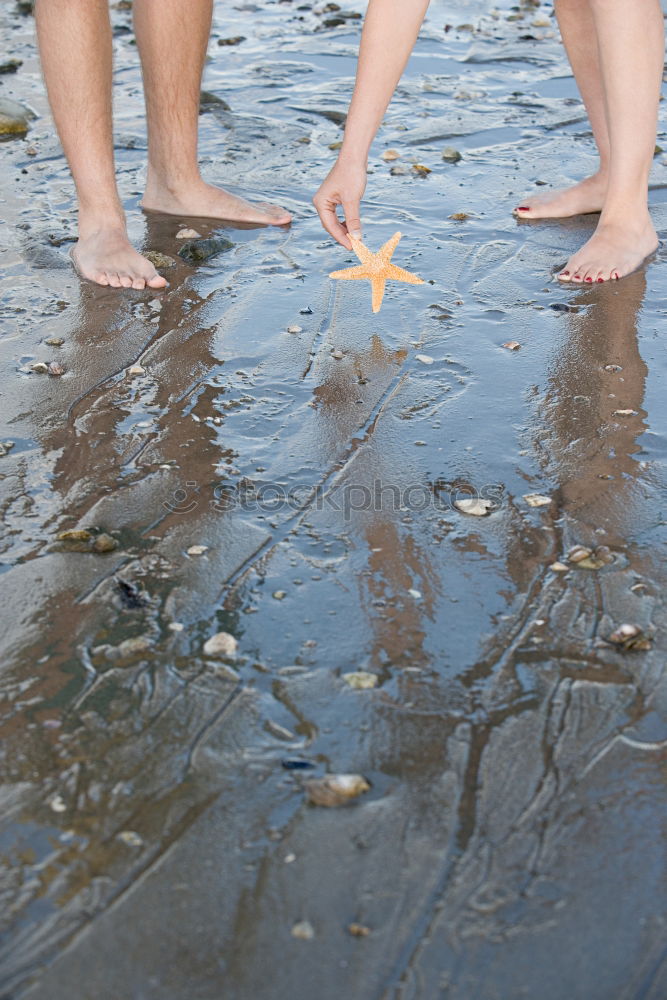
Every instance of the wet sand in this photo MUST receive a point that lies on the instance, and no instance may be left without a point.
(512, 844)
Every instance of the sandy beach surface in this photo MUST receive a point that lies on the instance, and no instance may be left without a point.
(253, 452)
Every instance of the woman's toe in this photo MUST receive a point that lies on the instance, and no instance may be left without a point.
(125, 280)
(139, 283)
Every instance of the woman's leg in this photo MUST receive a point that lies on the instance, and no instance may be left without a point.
(172, 36)
(75, 45)
(579, 34)
(631, 47)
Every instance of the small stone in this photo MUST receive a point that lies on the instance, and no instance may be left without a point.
(625, 413)
(398, 171)
(136, 370)
(459, 216)
(416, 594)
(10, 66)
(295, 328)
(361, 680)
(74, 535)
(336, 145)
(512, 345)
(236, 40)
(55, 368)
(630, 638)
(279, 595)
(421, 170)
(54, 341)
(130, 838)
(425, 359)
(537, 500)
(280, 732)
(5, 448)
(337, 354)
(303, 931)
(130, 649)
(289, 859)
(474, 506)
(188, 234)
(391, 154)
(196, 251)
(221, 645)
(159, 260)
(39, 367)
(14, 117)
(558, 567)
(104, 543)
(58, 804)
(175, 626)
(335, 789)
(358, 930)
(197, 550)
(451, 155)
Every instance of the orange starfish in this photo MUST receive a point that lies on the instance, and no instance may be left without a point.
(376, 268)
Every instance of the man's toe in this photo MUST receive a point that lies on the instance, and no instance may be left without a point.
(139, 283)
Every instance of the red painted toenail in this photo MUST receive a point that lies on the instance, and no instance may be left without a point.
(523, 208)
(566, 272)
(600, 279)
(588, 279)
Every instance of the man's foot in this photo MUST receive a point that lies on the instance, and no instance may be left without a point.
(107, 257)
(206, 201)
(613, 251)
(587, 196)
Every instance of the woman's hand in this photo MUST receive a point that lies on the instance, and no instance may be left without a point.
(345, 185)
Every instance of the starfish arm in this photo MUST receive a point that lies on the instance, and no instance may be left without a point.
(399, 274)
(387, 251)
(352, 273)
(378, 292)
(363, 253)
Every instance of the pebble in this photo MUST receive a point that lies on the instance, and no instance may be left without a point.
(361, 680)
(536, 500)
(425, 359)
(335, 789)
(337, 354)
(294, 329)
(303, 930)
(196, 251)
(451, 155)
(39, 367)
(197, 550)
(58, 804)
(14, 117)
(279, 595)
(512, 345)
(188, 234)
(55, 368)
(5, 447)
(136, 370)
(391, 154)
(130, 838)
(104, 543)
(159, 260)
(474, 506)
(358, 930)
(280, 732)
(297, 764)
(558, 567)
(175, 626)
(54, 341)
(222, 644)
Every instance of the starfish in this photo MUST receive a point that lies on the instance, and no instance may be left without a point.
(376, 268)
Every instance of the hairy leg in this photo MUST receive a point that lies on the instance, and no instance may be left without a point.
(579, 34)
(172, 37)
(631, 46)
(75, 45)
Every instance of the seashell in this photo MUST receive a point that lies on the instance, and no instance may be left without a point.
(537, 500)
(474, 506)
(361, 680)
(104, 543)
(303, 930)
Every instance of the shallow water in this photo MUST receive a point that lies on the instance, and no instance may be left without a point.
(512, 844)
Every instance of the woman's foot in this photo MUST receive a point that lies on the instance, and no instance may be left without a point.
(585, 197)
(106, 256)
(614, 250)
(209, 202)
